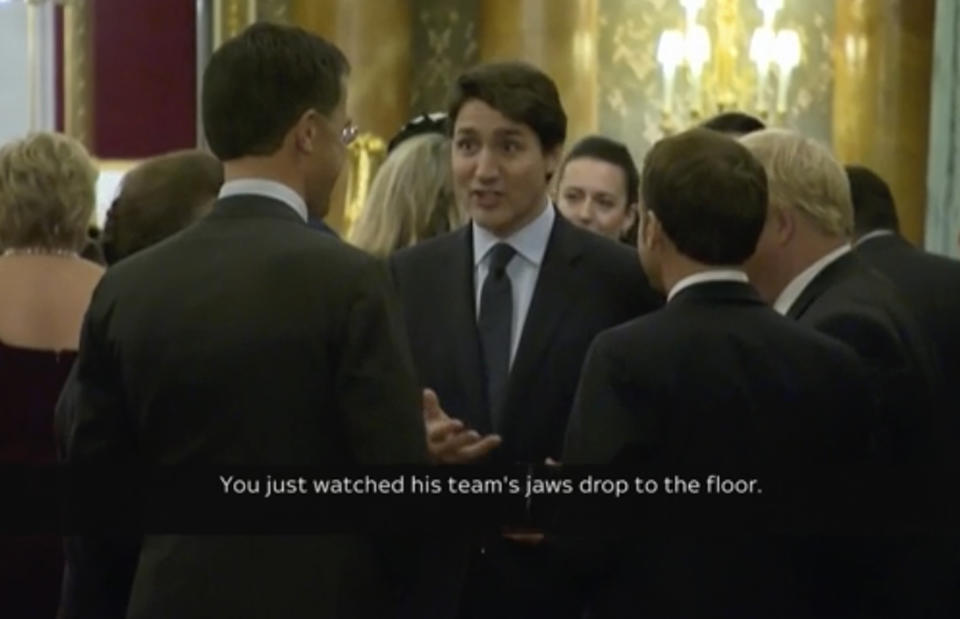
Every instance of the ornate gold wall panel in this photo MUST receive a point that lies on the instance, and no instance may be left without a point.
(560, 38)
(376, 38)
(78, 71)
(862, 85)
(444, 45)
(230, 17)
(277, 11)
(881, 106)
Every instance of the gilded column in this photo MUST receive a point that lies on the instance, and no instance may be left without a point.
(376, 37)
(78, 71)
(558, 37)
(881, 105)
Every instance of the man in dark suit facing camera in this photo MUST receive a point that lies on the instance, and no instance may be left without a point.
(500, 314)
(716, 381)
(249, 339)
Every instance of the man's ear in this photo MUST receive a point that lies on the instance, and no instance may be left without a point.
(306, 130)
(552, 161)
(651, 232)
(633, 211)
(784, 224)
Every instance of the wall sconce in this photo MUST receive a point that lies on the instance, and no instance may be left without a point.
(770, 48)
(773, 53)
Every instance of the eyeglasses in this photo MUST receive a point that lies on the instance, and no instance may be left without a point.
(348, 134)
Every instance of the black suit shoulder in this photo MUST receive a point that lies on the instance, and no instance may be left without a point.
(696, 356)
(929, 285)
(902, 262)
(612, 266)
(859, 306)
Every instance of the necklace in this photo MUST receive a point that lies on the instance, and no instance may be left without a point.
(40, 251)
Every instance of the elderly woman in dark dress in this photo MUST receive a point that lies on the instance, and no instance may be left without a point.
(46, 202)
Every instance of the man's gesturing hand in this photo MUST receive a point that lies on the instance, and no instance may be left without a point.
(448, 441)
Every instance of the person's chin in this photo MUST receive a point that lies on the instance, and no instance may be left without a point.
(490, 218)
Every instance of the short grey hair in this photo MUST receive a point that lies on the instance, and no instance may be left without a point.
(47, 192)
(802, 173)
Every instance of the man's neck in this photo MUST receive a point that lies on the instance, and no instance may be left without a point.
(265, 168)
(526, 221)
(680, 267)
(810, 252)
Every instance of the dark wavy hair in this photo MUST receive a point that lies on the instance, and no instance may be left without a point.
(259, 83)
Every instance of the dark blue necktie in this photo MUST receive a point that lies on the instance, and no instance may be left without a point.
(495, 325)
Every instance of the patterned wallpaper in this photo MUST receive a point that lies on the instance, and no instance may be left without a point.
(444, 45)
(444, 41)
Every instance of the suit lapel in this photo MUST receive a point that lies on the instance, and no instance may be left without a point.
(824, 280)
(550, 302)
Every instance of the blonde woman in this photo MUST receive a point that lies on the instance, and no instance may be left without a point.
(46, 201)
(411, 198)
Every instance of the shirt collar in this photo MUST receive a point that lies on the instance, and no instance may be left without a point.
(529, 241)
(711, 275)
(268, 189)
(873, 235)
(795, 288)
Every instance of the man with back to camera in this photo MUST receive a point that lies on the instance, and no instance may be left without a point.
(714, 381)
(805, 267)
(734, 124)
(929, 283)
(250, 339)
(500, 314)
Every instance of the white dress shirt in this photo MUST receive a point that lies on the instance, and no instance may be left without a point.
(267, 189)
(712, 275)
(873, 235)
(530, 243)
(790, 294)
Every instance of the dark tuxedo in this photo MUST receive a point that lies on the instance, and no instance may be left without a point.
(929, 284)
(246, 339)
(715, 382)
(856, 305)
(321, 226)
(913, 438)
(585, 284)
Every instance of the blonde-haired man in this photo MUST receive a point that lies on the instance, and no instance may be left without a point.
(804, 266)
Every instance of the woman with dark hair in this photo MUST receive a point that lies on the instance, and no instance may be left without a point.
(598, 188)
(158, 198)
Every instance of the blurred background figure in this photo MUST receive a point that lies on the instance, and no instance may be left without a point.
(928, 283)
(92, 249)
(411, 198)
(734, 124)
(434, 122)
(46, 202)
(158, 198)
(598, 188)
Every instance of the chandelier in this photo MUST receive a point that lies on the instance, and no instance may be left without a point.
(700, 72)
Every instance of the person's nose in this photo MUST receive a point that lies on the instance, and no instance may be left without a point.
(488, 168)
(585, 211)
